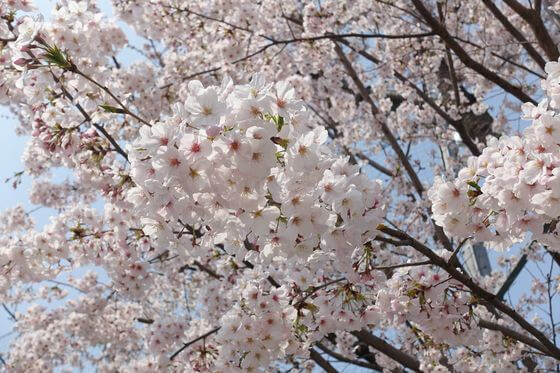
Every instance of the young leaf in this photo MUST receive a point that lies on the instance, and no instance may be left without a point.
(112, 109)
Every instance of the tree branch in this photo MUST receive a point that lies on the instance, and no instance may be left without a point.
(390, 138)
(388, 350)
(534, 20)
(514, 335)
(88, 119)
(515, 33)
(185, 345)
(331, 124)
(384, 128)
(75, 70)
(459, 127)
(466, 58)
(344, 359)
(475, 288)
(10, 313)
(317, 358)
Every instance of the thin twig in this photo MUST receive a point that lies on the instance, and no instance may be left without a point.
(403, 265)
(474, 287)
(185, 345)
(10, 313)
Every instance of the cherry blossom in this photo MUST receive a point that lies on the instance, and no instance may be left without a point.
(288, 185)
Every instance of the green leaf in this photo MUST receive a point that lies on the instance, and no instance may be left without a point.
(276, 119)
(112, 109)
(56, 57)
(474, 185)
(300, 328)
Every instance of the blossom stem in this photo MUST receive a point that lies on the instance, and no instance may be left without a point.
(475, 288)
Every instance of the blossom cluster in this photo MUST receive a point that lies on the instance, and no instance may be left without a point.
(237, 167)
(437, 305)
(511, 191)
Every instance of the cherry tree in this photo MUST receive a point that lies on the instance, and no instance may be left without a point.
(283, 185)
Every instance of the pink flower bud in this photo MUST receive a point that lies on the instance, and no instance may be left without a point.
(213, 131)
(21, 62)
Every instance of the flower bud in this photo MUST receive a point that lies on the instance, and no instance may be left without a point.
(21, 61)
(213, 131)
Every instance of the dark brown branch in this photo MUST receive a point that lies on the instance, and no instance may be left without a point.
(390, 138)
(505, 59)
(452, 75)
(555, 256)
(458, 125)
(374, 164)
(475, 288)
(7, 40)
(116, 62)
(320, 361)
(384, 128)
(208, 270)
(466, 58)
(538, 6)
(388, 350)
(534, 20)
(185, 345)
(345, 359)
(514, 335)
(201, 267)
(88, 119)
(10, 313)
(515, 33)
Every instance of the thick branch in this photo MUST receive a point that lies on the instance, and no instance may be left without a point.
(534, 20)
(384, 128)
(452, 75)
(345, 359)
(385, 348)
(390, 138)
(514, 335)
(466, 58)
(475, 288)
(459, 127)
(515, 33)
(317, 358)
